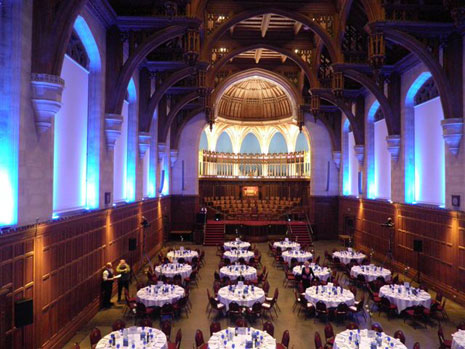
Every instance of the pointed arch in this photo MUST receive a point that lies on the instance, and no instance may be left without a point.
(250, 144)
(278, 144)
(224, 144)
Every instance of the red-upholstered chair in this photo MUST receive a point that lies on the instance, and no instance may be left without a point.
(268, 327)
(215, 327)
(376, 327)
(165, 327)
(76, 346)
(318, 342)
(199, 341)
(443, 343)
(284, 341)
(95, 336)
(352, 326)
(329, 334)
(416, 346)
(145, 323)
(400, 336)
(118, 325)
(177, 343)
(241, 322)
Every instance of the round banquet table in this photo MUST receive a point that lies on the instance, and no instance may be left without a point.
(347, 340)
(234, 271)
(239, 245)
(173, 256)
(242, 294)
(172, 269)
(286, 245)
(325, 294)
(370, 272)
(234, 255)
(158, 295)
(225, 339)
(322, 273)
(301, 256)
(158, 341)
(404, 297)
(458, 340)
(346, 257)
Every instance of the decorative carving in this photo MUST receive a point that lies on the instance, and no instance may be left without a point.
(360, 153)
(113, 123)
(453, 132)
(46, 99)
(173, 157)
(337, 159)
(426, 92)
(144, 143)
(354, 45)
(393, 145)
(77, 51)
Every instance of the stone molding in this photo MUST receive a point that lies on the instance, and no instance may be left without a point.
(161, 151)
(337, 159)
(144, 143)
(173, 156)
(360, 153)
(46, 99)
(393, 146)
(453, 132)
(113, 123)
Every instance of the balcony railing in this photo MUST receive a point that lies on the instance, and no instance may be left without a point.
(258, 166)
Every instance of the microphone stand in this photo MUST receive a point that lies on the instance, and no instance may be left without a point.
(389, 255)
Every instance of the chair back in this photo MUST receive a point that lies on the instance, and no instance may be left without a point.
(118, 325)
(329, 331)
(257, 307)
(416, 345)
(234, 307)
(166, 328)
(376, 327)
(320, 306)
(95, 336)
(400, 336)
(352, 326)
(178, 339)
(286, 338)
(342, 308)
(268, 327)
(215, 327)
(145, 322)
(318, 342)
(241, 322)
(199, 338)
(266, 287)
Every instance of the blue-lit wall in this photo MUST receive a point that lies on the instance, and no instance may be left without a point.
(70, 140)
(120, 159)
(352, 179)
(382, 175)
(132, 143)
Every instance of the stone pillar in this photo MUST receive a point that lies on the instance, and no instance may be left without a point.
(113, 123)
(144, 139)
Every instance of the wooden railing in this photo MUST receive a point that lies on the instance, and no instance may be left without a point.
(231, 165)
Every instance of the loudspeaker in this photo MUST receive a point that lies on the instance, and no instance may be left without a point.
(418, 245)
(218, 217)
(24, 313)
(132, 244)
(107, 198)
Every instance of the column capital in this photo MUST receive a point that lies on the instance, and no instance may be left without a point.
(360, 153)
(113, 123)
(144, 143)
(173, 156)
(46, 99)
(393, 145)
(452, 132)
(337, 158)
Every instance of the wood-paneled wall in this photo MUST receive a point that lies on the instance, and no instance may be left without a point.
(442, 262)
(59, 264)
(323, 214)
(183, 211)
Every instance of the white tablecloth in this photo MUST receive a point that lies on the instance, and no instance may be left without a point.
(371, 272)
(405, 298)
(286, 245)
(346, 257)
(240, 245)
(173, 256)
(301, 256)
(157, 342)
(347, 338)
(243, 295)
(322, 273)
(172, 269)
(226, 338)
(458, 340)
(234, 255)
(326, 294)
(157, 296)
(234, 271)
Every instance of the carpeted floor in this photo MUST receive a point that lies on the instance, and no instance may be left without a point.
(301, 329)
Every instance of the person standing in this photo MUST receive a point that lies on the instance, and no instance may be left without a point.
(107, 285)
(124, 270)
(307, 275)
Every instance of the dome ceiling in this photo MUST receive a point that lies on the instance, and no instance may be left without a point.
(254, 99)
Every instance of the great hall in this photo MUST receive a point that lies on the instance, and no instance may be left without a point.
(232, 174)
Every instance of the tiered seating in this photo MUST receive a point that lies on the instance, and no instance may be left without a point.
(271, 208)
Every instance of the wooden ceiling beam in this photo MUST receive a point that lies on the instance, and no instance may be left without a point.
(265, 24)
(297, 27)
(258, 55)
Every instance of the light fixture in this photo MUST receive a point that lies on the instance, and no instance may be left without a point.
(315, 105)
(337, 84)
(376, 50)
(191, 46)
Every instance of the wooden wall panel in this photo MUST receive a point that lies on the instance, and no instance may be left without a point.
(323, 213)
(59, 265)
(183, 211)
(442, 262)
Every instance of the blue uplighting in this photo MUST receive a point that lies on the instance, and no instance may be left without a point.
(132, 144)
(372, 182)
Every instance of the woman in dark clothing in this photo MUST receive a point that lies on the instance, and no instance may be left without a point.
(307, 275)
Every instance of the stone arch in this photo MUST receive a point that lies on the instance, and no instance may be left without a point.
(275, 140)
(333, 49)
